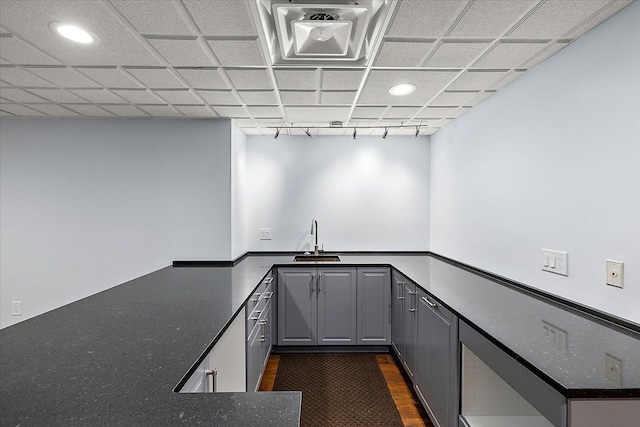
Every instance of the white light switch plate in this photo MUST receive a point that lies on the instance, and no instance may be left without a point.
(555, 261)
(265, 234)
(615, 273)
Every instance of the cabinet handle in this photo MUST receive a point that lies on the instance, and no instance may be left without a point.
(431, 304)
(313, 277)
(256, 297)
(266, 295)
(400, 298)
(263, 323)
(268, 280)
(211, 375)
(319, 282)
(257, 316)
(412, 309)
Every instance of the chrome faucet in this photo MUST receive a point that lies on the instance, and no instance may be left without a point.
(316, 247)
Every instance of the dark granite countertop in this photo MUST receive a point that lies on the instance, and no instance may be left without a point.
(115, 357)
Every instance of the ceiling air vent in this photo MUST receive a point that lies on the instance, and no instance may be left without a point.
(325, 32)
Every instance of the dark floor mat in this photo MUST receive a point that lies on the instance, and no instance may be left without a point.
(338, 389)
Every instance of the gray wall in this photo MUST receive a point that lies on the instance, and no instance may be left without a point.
(551, 161)
(368, 194)
(89, 204)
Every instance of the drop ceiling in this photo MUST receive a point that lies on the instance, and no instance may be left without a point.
(217, 59)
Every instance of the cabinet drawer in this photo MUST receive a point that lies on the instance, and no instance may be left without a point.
(265, 286)
(435, 306)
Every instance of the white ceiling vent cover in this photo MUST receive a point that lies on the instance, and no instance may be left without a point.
(322, 31)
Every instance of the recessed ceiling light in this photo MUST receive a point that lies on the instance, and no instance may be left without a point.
(74, 33)
(402, 89)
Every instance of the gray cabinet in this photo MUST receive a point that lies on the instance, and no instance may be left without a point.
(336, 293)
(409, 328)
(259, 326)
(317, 306)
(397, 314)
(374, 306)
(437, 356)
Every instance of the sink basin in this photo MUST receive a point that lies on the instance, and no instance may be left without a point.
(307, 258)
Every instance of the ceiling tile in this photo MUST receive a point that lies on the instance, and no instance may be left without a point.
(161, 111)
(222, 18)
(368, 112)
(333, 79)
(299, 97)
(117, 44)
(20, 110)
(419, 18)
(337, 97)
(58, 95)
(195, 111)
(54, 110)
(304, 79)
(604, 13)
(401, 112)
(491, 18)
(323, 115)
(250, 130)
(265, 111)
(436, 112)
(156, 77)
(402, 53)
(508, 78)
(139, 96)
(447, 98)
(477, 79)
(428, 83)
(88, 110)
(508, 54)
(549, 50)
(231, 111)
(99, 96)
(246, 122)
(19, 95)
(19, 52)
(260, 97)
(202, 78)
(452, 53)
(125, 110)
(182, 53)
(237, 53)
(554, 19)
(65, 77)
(250, 79)
(481, 96)
(19, 77)
(218, 97)
(110, 77)
(179, 97)
(152, 17)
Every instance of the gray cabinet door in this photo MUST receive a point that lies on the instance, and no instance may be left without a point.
(397, 314)
(410, 327)
(436, 361)
(297, 306)
(254, 350)
(374, 306)
(336, 290)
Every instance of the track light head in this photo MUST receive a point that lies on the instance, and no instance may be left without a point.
(417, 130)
(277, 134)
(386, 131)
(307, 132)
(354, 133)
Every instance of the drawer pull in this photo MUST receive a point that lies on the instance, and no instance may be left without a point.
(268, 280)
(266, 295)
(429, 303)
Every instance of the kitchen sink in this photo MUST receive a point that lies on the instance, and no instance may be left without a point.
(308, 258)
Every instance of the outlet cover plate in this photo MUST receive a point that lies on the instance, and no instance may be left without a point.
(615, 273)
(265, 234)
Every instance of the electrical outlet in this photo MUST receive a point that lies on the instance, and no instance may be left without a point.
(16, 308)
(615, 273)
(265, 234)
(613, 369)
(555, 261)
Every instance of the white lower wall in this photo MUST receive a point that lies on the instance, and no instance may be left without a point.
(88, 204)
(551, 161)
(368, 194)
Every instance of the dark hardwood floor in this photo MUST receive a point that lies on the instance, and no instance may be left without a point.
(410, 409)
